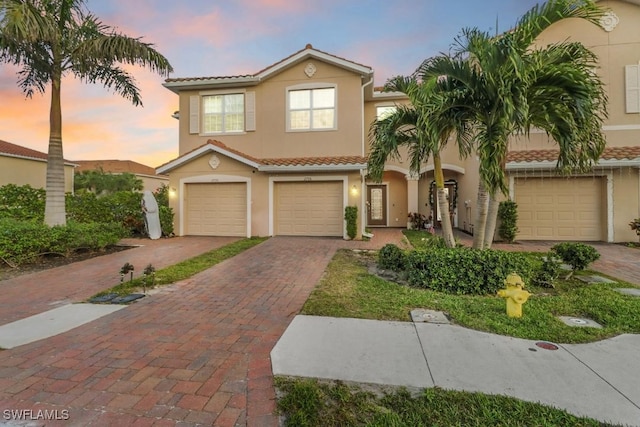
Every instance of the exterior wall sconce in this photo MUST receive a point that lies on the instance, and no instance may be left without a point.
(354, 190)
(172, 192)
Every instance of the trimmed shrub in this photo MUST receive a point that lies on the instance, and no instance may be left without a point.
(351, 216)
(391, 257)
(508, 215)
(166, 220)
(547, 273)
(577, 255)
(465, 271)
(23, 203)
(21, 241)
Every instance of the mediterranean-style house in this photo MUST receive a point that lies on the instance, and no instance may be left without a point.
(21, 166)
(283, 152)
(150, 180)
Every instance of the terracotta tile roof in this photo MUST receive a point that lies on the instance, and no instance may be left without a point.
(115, 166)
(278, 162)
(246, 76)
(610, 153)
(315, 161)
(14, 150)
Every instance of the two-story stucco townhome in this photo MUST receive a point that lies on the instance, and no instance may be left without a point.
(283, 152)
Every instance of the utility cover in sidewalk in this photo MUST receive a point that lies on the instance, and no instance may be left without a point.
(580, 322)
(635, 292)
(430, 316)
(594, 279)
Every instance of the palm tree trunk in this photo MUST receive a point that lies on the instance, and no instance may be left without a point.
(480, 225)
(54, 212)
(443, 203)
(492, 219)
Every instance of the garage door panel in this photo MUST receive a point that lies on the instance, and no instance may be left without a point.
(218, 209)
(558, 208)
(309, 208)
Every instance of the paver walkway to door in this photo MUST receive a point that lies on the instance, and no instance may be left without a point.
(195, 353)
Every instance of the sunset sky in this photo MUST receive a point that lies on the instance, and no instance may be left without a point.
(230, 37)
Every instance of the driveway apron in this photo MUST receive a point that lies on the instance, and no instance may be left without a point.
(197, 352)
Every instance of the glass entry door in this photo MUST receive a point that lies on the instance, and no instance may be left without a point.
(377, 205)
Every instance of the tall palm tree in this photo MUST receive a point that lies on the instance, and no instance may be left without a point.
(49, 39)
(506, 86)
(425, 130)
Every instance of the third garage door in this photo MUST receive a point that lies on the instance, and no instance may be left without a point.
(310, 208)
(559, 208)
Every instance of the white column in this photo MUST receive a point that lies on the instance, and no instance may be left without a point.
(412, 195)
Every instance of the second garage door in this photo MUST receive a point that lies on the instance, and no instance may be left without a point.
(216, 209)
(309, 208)
(559, 209)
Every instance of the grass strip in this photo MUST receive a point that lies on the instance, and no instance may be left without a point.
(348, 290)
(310, 403)
(187, 268)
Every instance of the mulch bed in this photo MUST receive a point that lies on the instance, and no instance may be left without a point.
(48, 261)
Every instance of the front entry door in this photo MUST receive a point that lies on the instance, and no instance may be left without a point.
(377, 205)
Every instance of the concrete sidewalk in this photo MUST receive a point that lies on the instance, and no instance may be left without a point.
(598, 380)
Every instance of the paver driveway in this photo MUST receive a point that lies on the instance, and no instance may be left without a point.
(195, 353)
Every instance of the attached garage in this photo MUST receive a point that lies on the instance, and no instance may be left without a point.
(309, 208)
(560, 208)
(216, 209)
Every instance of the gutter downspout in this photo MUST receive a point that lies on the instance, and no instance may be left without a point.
(363, 174)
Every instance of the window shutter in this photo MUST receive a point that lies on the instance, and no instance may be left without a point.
(632, 87)
(250, 111)
(194, 114)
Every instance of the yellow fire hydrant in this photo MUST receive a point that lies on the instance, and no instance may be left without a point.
(514, 294)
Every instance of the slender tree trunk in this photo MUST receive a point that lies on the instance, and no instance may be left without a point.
(492, 219)
(443, 203)
(480, 225)
(54, 213)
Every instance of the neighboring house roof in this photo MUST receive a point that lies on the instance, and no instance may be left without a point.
(284, 164)
(116, 166)
(8, 149)
(176, 84)
(611, 156)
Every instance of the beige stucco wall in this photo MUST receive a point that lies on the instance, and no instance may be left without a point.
(152, 183)
(626, 199)
(259, 182)
(271, 139)
(33, 172)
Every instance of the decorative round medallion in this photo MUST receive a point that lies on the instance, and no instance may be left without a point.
(609, 21)
(214, 162)
(310, 69)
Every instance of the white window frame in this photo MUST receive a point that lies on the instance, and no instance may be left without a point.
(204, 95)
(389, 106)
(311, 87)
(632, 88)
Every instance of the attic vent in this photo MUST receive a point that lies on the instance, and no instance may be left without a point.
(310, 70)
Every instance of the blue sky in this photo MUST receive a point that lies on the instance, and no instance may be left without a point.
(230, 37)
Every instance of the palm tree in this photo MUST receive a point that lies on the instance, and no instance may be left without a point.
(506, 86)
(425, 130)
(52, 38)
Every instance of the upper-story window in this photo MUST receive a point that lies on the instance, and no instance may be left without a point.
(311, 109)
(385, 111)
(223, 113)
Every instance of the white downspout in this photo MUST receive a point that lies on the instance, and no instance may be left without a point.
(363, 173)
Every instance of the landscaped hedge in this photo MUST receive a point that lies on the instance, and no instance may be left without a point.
(24, 203)
(466, 271)
(21, 241)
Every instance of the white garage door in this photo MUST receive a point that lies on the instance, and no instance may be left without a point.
(216, 209)
(309, 208)
(559, 208)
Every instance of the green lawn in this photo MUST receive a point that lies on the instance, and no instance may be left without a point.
(348, 290)
(310, 403)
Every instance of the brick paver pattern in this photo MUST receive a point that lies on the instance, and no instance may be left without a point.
(195, 353)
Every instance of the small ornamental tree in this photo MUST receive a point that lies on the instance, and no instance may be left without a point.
(577, 255)
(351, 216)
